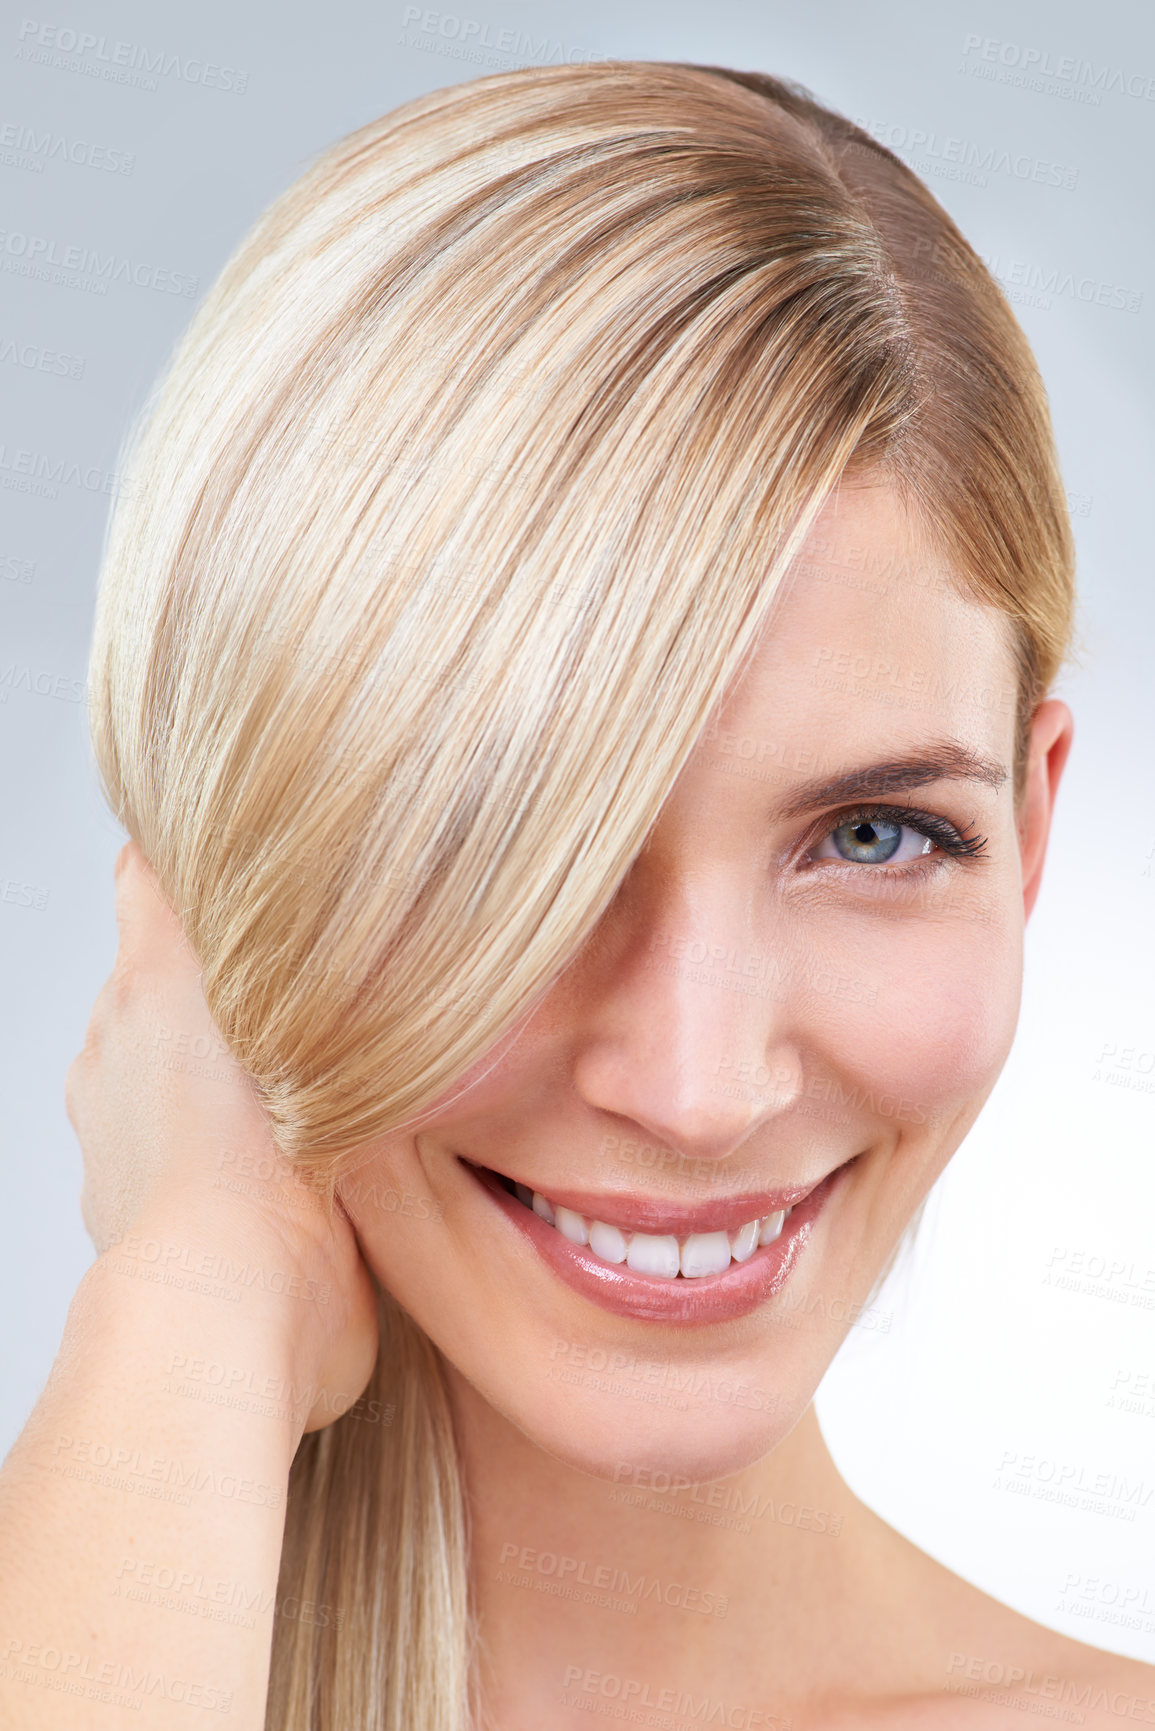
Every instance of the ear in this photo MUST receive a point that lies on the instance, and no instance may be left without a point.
(1052, 730)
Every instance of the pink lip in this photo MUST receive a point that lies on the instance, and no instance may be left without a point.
(712, 1298)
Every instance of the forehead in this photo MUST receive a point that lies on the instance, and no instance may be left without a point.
(873, 646)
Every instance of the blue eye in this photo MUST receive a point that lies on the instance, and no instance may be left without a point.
(887, 838)
(867, 841)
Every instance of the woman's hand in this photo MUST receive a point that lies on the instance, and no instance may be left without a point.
(177, 1147)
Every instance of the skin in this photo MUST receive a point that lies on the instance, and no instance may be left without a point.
(885, 1013)
(623, 1052)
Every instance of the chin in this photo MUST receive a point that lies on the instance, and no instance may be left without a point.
(614, 1410)
(613, 1431)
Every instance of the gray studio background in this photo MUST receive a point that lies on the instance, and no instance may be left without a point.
(998, 1404)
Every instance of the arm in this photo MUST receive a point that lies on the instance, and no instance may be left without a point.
(128, 1511)
(142, 1507)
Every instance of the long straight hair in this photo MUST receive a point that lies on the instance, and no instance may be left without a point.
(461, 502)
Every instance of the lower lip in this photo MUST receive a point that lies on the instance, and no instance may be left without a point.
(735, 1292)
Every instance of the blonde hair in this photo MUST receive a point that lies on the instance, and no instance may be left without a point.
(462, 500)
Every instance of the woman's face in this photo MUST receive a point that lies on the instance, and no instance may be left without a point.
(785, 1022)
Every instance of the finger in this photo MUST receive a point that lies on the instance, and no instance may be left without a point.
(133, 874)
(148, 924)
(73, 1078)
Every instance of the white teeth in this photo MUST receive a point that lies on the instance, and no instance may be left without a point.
(571, 1226)
(771, 1227)
(543, 1208)
(649, 1255)
(705, 1253)
(607, 1242)
(744, 1242)
(699, 1254)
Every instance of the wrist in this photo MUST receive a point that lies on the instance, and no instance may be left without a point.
(209, 1343)
(242, 1259)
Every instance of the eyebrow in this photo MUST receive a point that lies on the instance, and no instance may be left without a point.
(945, 759)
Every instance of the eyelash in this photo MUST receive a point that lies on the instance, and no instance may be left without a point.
(953, 842)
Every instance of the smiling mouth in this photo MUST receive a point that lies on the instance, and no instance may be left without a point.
(668, 1256)
(653, 1261)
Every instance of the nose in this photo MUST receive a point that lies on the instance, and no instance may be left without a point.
(686, 1030)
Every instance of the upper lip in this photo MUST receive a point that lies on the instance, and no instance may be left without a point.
(633, 1213)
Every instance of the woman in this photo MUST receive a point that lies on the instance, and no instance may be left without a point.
(573, 665)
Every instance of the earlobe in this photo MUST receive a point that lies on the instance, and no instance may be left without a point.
(1052, 733)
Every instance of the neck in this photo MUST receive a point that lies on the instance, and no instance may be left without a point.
(753, 1589)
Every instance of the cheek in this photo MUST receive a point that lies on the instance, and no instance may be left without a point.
(514, 1067)
(940, 1027)
(388, 1193)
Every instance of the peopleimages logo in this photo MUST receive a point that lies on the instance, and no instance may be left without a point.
(101, 57)
(1042, 285)
(40, 360)
(41, 474)
(23, 147)
(552, 1571)
(477, 40)
(38, 255)
(1039, 69)
(668, 1706)
(963, 159)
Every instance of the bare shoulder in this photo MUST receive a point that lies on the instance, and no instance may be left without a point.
(967, 1662)
(1062, 1681)
(1056, 1681)
(990, 1666)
